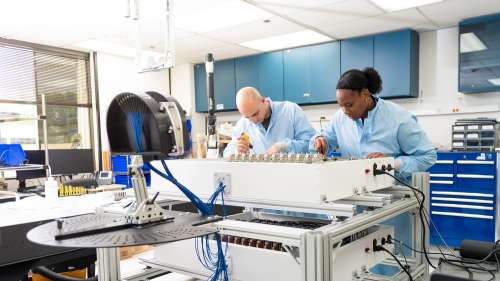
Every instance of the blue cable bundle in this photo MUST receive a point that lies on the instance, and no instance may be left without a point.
(215, 263)
(136, 122)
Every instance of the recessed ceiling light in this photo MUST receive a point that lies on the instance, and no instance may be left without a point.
(222, 16)
(288, 40)
(469, 42)
(495, 81)
(396, 5)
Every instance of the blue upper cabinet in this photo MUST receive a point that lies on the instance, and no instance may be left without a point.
(398, 66)
(325, 71)
(356, 53)
(263, 71)
(296, 71)
(308, 75)
(200, 85)
(311, 73)
(479, 52)
(224, 86)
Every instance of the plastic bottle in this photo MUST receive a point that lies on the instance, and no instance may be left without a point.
(51, 188)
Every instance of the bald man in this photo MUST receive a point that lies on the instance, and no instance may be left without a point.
(271, 127)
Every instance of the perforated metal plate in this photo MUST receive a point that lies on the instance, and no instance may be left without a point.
(183, 226)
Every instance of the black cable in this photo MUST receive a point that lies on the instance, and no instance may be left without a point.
(397, 260)
(420, 252)
(46, 272)
(422, 218)
(421, 206)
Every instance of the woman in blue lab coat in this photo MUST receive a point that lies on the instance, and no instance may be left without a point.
(369, 127)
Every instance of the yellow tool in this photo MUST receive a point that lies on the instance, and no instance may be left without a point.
(246, 138)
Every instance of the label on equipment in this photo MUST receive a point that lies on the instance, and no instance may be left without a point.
(219, 106)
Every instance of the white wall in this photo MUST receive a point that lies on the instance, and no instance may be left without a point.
(438, 95)
(119, 74)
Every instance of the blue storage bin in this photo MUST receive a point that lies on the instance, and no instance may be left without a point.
(12, 155)
(123, 179)
(119, 163)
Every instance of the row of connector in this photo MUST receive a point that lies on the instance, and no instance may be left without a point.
(378, 247)
(280, 158)
(383, 169)
(67, 190)
(262, 244)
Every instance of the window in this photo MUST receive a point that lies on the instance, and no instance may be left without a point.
(28, 72)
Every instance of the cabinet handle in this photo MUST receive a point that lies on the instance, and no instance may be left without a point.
(475, 162)
(453, 214)
(465, 200)
(444, 162)
(441, 182)
(472, 207)
(452, 193)
(464, 176)
(441, 175)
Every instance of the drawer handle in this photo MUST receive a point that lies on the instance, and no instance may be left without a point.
(441, 182)
(472, 207)
(475, 162)
(464, 176)
(441, 175)
(450, 199)
(444, 161)
(488, 195)
(453, 214)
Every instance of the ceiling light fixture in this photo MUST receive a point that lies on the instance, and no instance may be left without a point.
(396, 5)
(288, 40)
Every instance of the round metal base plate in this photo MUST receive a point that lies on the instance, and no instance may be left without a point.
(183, 226)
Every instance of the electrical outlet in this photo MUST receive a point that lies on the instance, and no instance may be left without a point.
(224, 178)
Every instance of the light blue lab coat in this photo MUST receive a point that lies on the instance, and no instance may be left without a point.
(388, 129)
(288, 126)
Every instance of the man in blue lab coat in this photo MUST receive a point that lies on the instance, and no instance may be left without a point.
(268, 126)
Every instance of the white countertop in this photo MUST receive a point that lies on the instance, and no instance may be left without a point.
(36, 208)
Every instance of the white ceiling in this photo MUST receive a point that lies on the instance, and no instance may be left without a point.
(64, 23)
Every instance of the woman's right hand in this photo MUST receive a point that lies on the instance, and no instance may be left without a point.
(320, 144)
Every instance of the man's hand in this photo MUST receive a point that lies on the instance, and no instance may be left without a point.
(320, 144)
(375, 155)
(243, 146)
(275, 148)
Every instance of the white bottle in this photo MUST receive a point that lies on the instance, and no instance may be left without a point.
(51, 189)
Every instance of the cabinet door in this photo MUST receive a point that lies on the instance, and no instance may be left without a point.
(393, 60)
(264, 72)
(225, 87)
(296, 68)
(200, 88)
(356, 53)
(325, 71)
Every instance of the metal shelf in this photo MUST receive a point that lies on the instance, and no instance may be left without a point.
(25, 167)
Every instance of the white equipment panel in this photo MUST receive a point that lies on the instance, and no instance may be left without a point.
(275, 183)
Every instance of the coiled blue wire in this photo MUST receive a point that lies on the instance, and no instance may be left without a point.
(136, 122)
